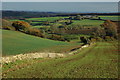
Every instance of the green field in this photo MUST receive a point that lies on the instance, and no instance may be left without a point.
(46, 18)
(114, 18)
(42, 19)
(16, 42)
(87, 22)
(98, 61)
(40, 26)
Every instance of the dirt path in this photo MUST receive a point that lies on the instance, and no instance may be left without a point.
(99, 61)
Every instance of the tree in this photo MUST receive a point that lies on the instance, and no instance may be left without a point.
(57, 37)
(20, 25)
(35, 32)
(46, 23)
(110, 28)
(99, 18)
(54, 28)
(99, 32)
(71, 17)
(83, 39)
(78, 17)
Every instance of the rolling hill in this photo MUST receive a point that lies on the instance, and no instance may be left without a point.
(16, 43)
(97, 61)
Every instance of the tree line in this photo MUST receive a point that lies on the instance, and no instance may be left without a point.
(108, 31)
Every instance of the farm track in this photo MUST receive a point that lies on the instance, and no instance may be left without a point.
(98, 61)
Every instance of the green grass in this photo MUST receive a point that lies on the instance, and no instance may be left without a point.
(40, 19)
(16, 43)
(40, 26)
(46, 18)
(87, 22)
(98, 61)
(114, 18)
(15, 20)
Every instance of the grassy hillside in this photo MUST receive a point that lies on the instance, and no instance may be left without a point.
(17, 42)
(87, 64)
(87, 22)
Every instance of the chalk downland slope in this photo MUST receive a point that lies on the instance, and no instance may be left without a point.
(16, 43)
(97, 61)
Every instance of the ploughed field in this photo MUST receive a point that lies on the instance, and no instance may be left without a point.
(97, 61)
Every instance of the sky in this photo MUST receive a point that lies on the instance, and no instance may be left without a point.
(87, 7)
(60, 0)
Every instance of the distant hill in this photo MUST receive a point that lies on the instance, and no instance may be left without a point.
(30, 14)
(19, 14)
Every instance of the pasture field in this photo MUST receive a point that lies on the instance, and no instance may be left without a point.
(97, 61)
(114, 18)
(46, 18)
(41, 19)
(87, 22)
(16, 42)
(40, 26)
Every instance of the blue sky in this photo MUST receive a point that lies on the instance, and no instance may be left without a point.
(96, 7)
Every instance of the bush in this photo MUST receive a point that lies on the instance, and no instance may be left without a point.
(67, 39)
(110, 28)
(6, 25)
(46, 23)
(20, 25)
(93, 40)
(112, 38)
(83, 40)
(108, 38)
(99, 39)
(57, 37)
(35, 32)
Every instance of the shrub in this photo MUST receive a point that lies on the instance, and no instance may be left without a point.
(93, 40)
(83, 40)
(6, 25)
(107, 38)
(35, 32)
(57, 37)
(99, 39)
(110, 28)
(68, 40)
(112, 38)
(46, 23)
(20, 25)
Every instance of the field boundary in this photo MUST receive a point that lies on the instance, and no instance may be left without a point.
(9, 59)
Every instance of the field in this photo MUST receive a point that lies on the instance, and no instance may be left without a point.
(41, 26)
(46, 18)
(88, 63)
(114, 18)
(87, 22)
(51, 19)
(16, 42)
(62, 35)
